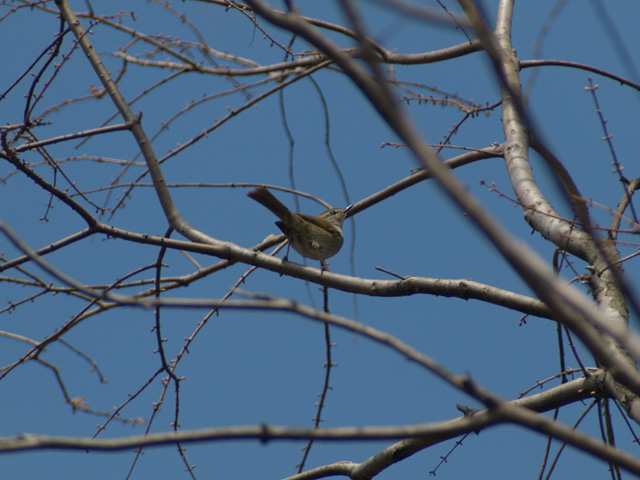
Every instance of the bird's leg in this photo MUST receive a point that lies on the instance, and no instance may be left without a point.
(325, 266)
(286, 257)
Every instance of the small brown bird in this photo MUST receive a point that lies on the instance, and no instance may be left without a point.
(317, 238)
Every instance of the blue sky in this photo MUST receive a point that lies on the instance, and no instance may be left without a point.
(247, 367)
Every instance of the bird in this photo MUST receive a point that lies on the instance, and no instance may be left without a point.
(317, 238)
